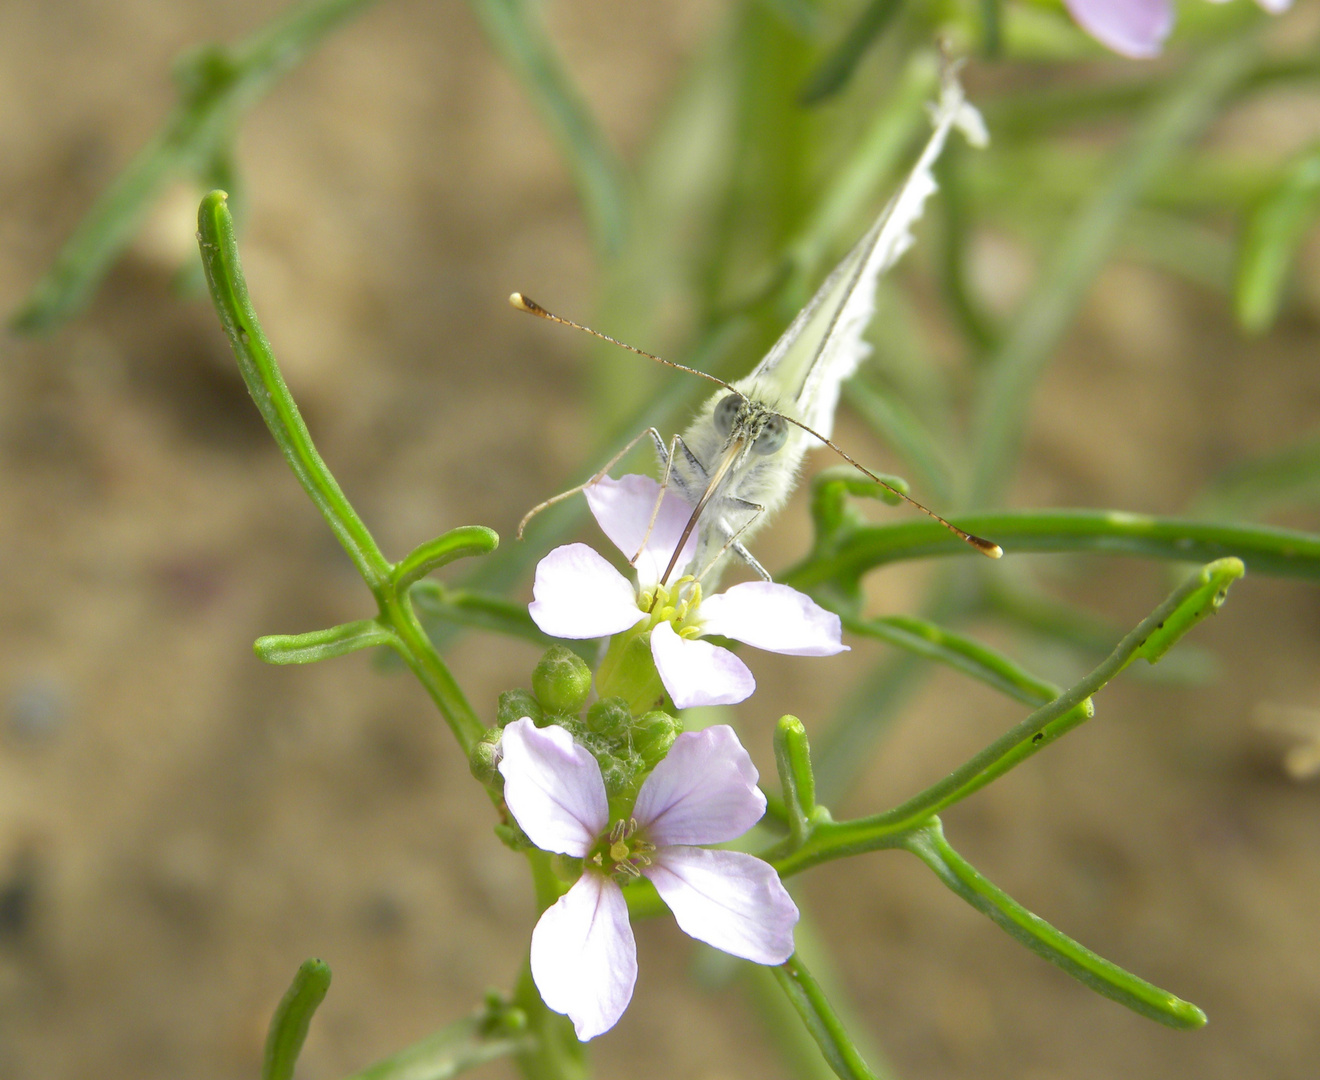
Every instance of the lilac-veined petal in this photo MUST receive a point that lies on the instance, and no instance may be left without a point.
(773, 617)
(623, 508)
(553, 788)
(584, 957)
(727, 899)
(703, 791)
(580, 595)
(697, 672)
(1134, 28)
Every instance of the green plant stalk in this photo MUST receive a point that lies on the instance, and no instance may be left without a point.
(514, 27)
(1186, 605)
(820, 1020)
(1271, 235)
(1014, 368)
(293, 1016)
(1264, 549)
(217, 86)
(1089, 968)
(261, 373)
(452, 1050)
(932, 641)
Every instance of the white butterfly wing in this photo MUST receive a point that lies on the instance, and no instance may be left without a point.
(803, 372)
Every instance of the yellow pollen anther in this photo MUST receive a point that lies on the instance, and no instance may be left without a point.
(619, 851)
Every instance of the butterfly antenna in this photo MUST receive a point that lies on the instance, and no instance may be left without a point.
(986, 547)
(525, 303)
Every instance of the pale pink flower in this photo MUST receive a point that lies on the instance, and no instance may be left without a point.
(578, 594)
(1137, 28)
(583, 955)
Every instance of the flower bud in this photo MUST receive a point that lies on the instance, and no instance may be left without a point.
(654, 734)
(561, 680)
(609, 718)
(484, 760)
(515, 704)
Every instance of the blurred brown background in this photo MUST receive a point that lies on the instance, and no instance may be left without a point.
(181, 826)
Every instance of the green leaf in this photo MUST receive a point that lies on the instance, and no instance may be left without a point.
(1101, 975)
(515, 29)
(460, 543)
(1208, 595)
(1271, 235)
(828, 839)
(455, 1049)
(1264, 549)
(925, 638)
(217, 85)
(323, 644)
(1067, 275)
(835, 72)
(288, 1027)
(1287, 476)
(793, 758)
(261, 373)
(820, 1019)
(830, 489)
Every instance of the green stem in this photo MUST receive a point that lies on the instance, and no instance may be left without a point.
(261, 373)
(293, 1016)
(1101, 975)
(1187, 604)
(820, 1020)
(1264, 549)
(217, 84)
(1015, 367)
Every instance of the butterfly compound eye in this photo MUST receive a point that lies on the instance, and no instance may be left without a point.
(726, 412)
(772, 436)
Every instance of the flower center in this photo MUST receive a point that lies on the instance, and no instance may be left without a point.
(676, 604)
(621, 852)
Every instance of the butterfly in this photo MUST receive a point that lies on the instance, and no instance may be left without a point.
(739, 458)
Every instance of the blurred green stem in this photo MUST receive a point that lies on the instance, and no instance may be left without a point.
(1014, 368)
(217, 84)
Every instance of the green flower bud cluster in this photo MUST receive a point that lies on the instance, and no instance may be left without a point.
(626, 746)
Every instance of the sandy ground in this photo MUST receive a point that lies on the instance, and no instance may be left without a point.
(180, 826)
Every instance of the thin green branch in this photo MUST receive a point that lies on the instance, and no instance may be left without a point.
(1192, 601)
(324, 644)
(217, 85)
(1089, 968)
(454, 1049)
(293, 1016)
(1064, 282)
(514, 27)
(261, 373)
(925, 638)
(1264, 549)
(820, 1020)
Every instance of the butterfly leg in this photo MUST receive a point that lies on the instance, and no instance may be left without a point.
(594, 480)
(734, 545)
(666, 455)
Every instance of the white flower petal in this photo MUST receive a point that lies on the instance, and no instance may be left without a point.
(703, 792)
(580, 595)
(697, 672)
(732, 901)
(584, 958)
(553, 788)
(1274, 7)
(623, 510)
(1134, 28)
(773, 617)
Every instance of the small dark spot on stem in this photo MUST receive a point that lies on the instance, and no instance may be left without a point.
(1038, 736)
(1161, 625)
